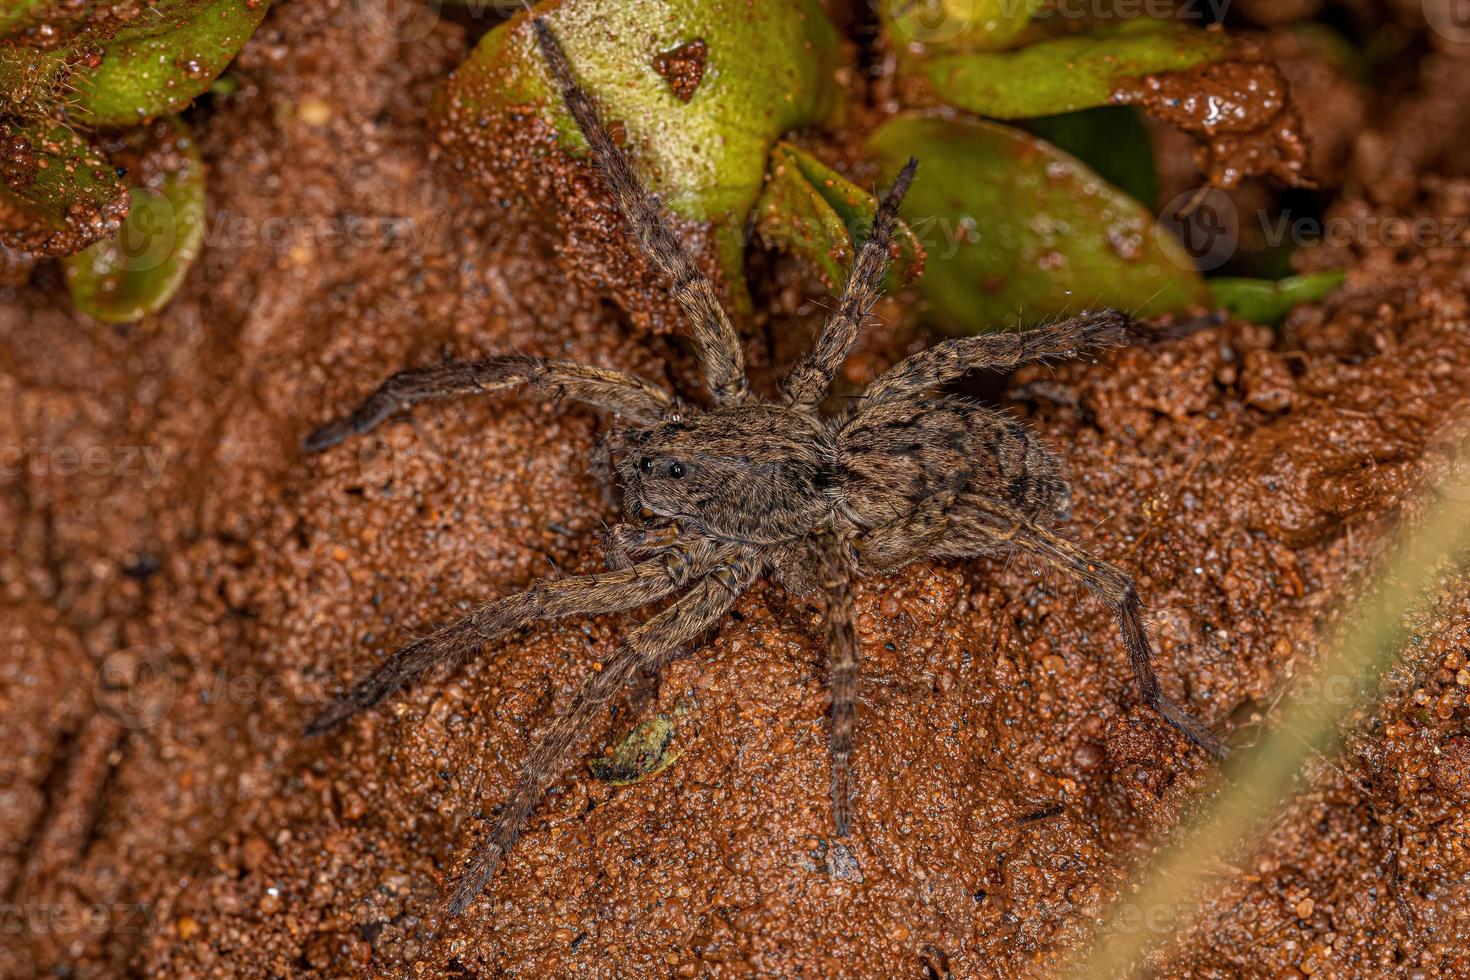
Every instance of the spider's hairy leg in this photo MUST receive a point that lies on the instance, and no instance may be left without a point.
(842, 665)
(891, 546)
(807, 384)
(646, 648)
(993, 524)
(714, 335)
(611, 390)
(583, 595)
(951, 359)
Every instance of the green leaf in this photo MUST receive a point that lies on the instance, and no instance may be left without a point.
(138, 270)
(1264, 301)
(956, 24)
(162, 63)
(1111, 140)
(54, 24)
(1069, 73)
(1018, 232)
(813, 211)
(33, 83)
(700, 139)
(58, 193)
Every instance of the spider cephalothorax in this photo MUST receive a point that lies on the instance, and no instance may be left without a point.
(747, 487)
(755, 473)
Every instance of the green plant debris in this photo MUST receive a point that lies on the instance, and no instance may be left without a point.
(1018, 232)
(138, 270)
(813, 211)
(956, 24)
(1069, 73)
(65, 67)
(769, 66)
(58, 193)
(162, 64)
(1264, 301)
(33, 83)
(645, 751)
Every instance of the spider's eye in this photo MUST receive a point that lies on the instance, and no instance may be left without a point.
(676, 471)
(645, 464)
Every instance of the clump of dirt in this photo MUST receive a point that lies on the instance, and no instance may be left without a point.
(17, 162)
(1238, 109)
(1331, 101)
(185, 588)
(683, 67)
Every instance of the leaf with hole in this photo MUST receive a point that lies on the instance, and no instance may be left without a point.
(698, 93)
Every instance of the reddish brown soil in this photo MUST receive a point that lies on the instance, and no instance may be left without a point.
(1239, 110)
(683, 67)
(169, 625)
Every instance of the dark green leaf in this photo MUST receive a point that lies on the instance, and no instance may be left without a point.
(1068, 73)
(1264, 301)
(1018, 232)
(58, 193)
(138, 270)
(162, 63)
(1112, 140)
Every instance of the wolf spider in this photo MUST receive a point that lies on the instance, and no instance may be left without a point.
(752, 487)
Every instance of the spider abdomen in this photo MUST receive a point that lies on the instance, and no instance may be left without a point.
(898, 457)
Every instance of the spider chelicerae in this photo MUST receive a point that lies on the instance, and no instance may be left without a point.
(749, 487)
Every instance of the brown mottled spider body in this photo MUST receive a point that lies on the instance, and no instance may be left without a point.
(751, 488)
